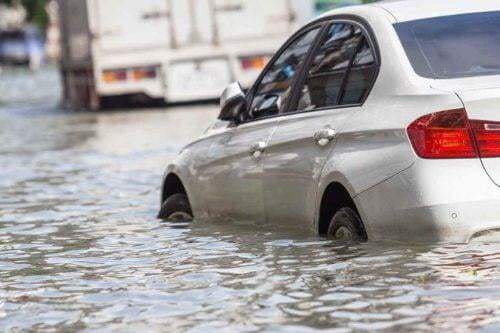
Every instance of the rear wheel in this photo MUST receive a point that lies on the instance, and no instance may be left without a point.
(346, 225)
(176, 209)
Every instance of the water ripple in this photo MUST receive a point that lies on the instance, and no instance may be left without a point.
(80, 249)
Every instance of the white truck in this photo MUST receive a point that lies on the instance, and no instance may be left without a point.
(172, 50)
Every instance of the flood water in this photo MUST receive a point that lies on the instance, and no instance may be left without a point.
(80, 248)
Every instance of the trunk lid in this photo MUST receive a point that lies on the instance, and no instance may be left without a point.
(481, 98)
(124, 25)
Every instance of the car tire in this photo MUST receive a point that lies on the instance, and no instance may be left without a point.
(176, 209)
(346, 225)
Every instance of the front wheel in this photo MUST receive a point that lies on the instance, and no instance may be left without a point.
(346, 226)
(176, 209)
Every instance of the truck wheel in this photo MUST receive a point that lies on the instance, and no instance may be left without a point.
(93, 99)
(176, 209)
(346, 226)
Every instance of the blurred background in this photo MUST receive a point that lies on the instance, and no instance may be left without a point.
(121, 52)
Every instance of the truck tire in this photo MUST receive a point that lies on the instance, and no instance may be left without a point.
(346, 225)
(176, 209)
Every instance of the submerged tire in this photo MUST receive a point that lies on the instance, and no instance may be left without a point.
(346, 225)
(176, 209)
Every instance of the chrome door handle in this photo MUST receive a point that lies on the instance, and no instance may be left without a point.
(258, 148)
(324, 136)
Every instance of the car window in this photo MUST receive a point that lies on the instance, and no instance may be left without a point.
(273, 92)
(323, 85)
(452, 47)
(361, 75)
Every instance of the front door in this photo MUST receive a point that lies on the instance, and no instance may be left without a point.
(335, 86)
(234, 175)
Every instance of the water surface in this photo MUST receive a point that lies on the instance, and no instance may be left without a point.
(80, 248)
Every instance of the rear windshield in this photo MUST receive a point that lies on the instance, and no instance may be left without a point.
(453, 46)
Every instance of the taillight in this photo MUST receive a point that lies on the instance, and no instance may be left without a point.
(110, 76)
(253, 63)
(443, 135)
(137, 74)
(450, 134)
(487, 135)
(144, 73)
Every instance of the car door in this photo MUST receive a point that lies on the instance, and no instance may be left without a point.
(334, 85)
(234, 174)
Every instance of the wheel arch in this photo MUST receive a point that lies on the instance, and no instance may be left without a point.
(334, 197)
(172, 185)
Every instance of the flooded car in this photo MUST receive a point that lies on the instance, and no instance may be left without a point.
(372, 122)
(21, 47)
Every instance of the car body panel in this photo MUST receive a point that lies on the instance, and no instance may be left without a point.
(484, 105)
(399, 195)
(185, 166)
(232, 176)
(409, 10)
(293, 164)
(481, 98)
(432, 201)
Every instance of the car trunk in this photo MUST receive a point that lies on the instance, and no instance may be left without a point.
(481, 99)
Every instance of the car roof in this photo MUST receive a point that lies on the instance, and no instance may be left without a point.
(410, 10)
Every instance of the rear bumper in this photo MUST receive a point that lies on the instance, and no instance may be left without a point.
(152, 88)
(445, 200)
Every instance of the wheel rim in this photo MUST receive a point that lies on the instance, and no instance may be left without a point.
(344, 233)
(179, 217)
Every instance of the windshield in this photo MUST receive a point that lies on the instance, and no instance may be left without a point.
(14, 36)
(453, 46)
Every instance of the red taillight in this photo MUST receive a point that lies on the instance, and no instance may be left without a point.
(487, 135)
(138, 74)
(253, 63)
(443, 135)
(111, 76)
(144, 73)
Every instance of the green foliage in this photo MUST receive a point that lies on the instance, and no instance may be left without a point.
(36, 12)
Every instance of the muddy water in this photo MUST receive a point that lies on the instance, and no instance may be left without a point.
(80, 248)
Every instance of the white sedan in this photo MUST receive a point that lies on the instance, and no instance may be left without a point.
(373, 122)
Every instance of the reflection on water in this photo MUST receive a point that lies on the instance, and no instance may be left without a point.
(80, 248)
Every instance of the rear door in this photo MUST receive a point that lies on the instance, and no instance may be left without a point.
(234, 173)
(334, 88)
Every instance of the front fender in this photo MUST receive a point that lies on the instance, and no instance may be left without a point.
(185, 166)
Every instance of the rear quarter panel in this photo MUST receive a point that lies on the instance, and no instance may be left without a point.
(373, 146)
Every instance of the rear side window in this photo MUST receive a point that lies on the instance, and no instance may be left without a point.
(360, 76)
(455, 46)
(342, 70)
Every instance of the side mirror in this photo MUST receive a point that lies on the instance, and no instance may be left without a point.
(233, 101)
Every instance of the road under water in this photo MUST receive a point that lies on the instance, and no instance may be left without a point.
(80, 248)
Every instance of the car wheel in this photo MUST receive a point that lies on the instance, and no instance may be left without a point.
(346, 225)
(176, 209)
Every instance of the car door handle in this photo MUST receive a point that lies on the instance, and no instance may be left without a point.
(325, 136)
(258, 148)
